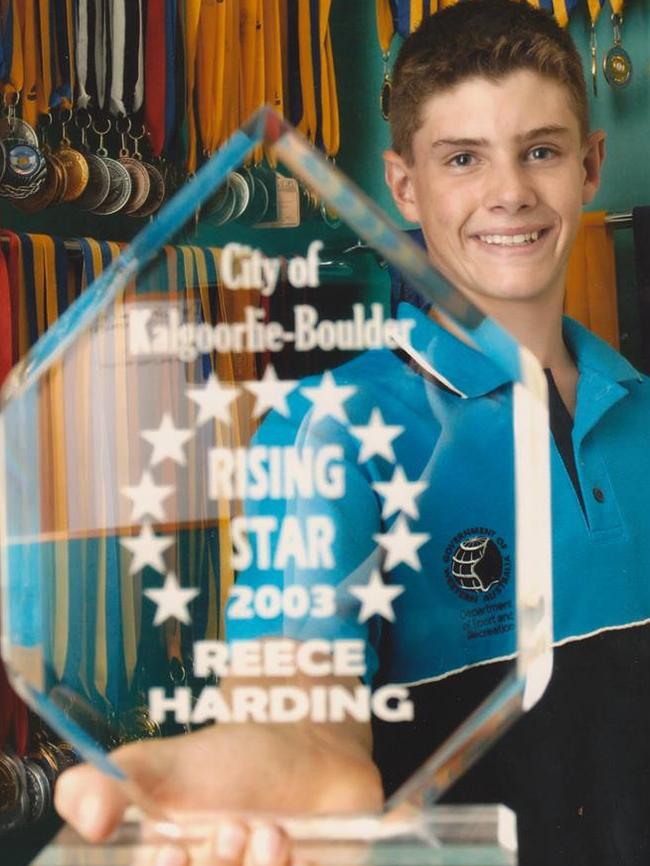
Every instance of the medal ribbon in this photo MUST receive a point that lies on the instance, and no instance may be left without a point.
(6, 328)
(331, 132)
(63, 53)
(294, 88)
(232, 114)
(101, 53)
(191, 17)
(31, 52)
(127, 61)
(155, 63)
(84, 49)
(14, 56)
(208, 93)
(385, 14)
(171, 84)
(595, 8)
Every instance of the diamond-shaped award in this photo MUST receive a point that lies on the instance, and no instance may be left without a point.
(241, 490)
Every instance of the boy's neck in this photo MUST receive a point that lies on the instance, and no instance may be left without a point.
(537, 326)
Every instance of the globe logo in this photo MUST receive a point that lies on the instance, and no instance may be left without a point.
(477, 564)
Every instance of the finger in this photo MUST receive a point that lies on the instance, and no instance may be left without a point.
(90, 801)
(230, 840)
(268, 845)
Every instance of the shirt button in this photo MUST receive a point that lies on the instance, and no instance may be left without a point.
(599, 496)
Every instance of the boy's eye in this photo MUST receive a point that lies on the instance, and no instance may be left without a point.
(541, 152)
(461, 160)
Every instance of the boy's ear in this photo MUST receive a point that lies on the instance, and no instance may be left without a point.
(592, 161)
(398, 179)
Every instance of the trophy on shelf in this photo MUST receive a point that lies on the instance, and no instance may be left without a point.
(242, 493)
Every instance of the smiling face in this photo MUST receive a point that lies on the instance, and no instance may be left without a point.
(497, 181)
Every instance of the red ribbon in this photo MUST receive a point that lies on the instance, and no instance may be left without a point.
(155, 74)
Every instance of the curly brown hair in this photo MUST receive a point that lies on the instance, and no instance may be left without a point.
(480, 38)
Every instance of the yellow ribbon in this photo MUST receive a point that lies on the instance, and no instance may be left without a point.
(192, 10)
(385, 25)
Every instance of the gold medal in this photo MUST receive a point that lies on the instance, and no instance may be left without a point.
(617, 63)
(76, 171)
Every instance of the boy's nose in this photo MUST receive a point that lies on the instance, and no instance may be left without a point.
(510, 188)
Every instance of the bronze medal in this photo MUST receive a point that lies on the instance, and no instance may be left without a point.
(140, 183)
(60, 176)
(99, 183)
(46, 195)
(120, 188)
(156, 192)
(76, 171)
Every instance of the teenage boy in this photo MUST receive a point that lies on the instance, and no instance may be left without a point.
(493, 157)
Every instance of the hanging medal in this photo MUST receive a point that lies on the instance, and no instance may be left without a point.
(595, 7)
(386, 30)
(617, 63)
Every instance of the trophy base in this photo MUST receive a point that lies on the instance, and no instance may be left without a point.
(439, 836)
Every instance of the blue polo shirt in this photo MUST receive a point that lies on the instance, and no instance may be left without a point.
(577, 768)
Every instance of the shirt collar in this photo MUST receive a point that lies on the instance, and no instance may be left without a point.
(458, 365)
(592, 353)
(471, 373)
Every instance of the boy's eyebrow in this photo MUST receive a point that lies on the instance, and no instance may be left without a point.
(538, 132)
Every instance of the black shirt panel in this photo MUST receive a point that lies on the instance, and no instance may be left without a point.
(562, 431)
(575, 769)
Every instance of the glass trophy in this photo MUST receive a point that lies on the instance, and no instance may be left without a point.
(245, 499)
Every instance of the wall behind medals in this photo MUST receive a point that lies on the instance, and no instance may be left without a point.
(624, 114)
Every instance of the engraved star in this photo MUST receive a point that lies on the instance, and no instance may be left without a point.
(399, 494)
(171, 600)
(147, 549)
(328, 398)
(167, 441)
(213, 400)
(376, 597)
(401, 545)
(376, 437)
(147, 497)
(271, 392)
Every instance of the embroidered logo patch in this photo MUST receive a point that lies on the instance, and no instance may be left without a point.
(477, 563)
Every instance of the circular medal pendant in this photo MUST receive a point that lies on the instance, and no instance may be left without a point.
(76, 172)
(242, 193)
(384, 97)
(215, 204)
(156, 194)
(140, 183)
(38, 790)
(120, 188)
(17, 128)
(617, 67)
(99, 183)
(25, 169)
(12, 794)
(258, 203)
(46, 195)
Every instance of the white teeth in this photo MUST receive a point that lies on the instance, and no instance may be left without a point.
(510, 240)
